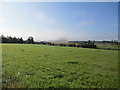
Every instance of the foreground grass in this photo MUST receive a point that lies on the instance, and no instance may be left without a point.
(38, 66)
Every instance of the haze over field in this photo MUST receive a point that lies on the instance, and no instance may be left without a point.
(56, 21)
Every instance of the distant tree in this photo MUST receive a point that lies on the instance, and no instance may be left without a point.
(89, 41)
(71, 45)
(50, 43)
(9, 38)
(103, 42)
(88, 44)
(78, 45)
(20, 40)
(0, 39)
(30, 40)
(4, 39)
(74, 45)
(116, 42)
(14, 40)
(42, 42)
(112, 42)
(93, 41)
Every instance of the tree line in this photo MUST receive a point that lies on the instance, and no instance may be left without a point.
(112, 42)
(20, 40)
(30, 40)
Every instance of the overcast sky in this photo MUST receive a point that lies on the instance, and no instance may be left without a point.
(58, 20)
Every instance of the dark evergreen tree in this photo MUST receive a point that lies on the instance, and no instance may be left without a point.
(30, 40)
(20, 40)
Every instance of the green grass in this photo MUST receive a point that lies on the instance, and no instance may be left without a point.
(38, 66)
(108, 46)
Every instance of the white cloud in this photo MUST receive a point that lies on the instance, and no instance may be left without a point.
(41, 16)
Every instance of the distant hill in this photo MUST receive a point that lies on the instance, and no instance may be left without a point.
(75, 41)
(61, 40)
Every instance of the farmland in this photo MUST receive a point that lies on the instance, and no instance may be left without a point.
(42, 66)
(108, 46)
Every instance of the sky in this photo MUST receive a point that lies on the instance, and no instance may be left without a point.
(60, 20)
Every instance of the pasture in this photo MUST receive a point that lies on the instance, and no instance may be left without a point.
(42, 66)
(108, 46)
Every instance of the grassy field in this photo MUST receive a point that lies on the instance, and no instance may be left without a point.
(40, 66)
(108, 46)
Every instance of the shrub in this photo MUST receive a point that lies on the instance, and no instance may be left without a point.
(78, 45)
(88, 44)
